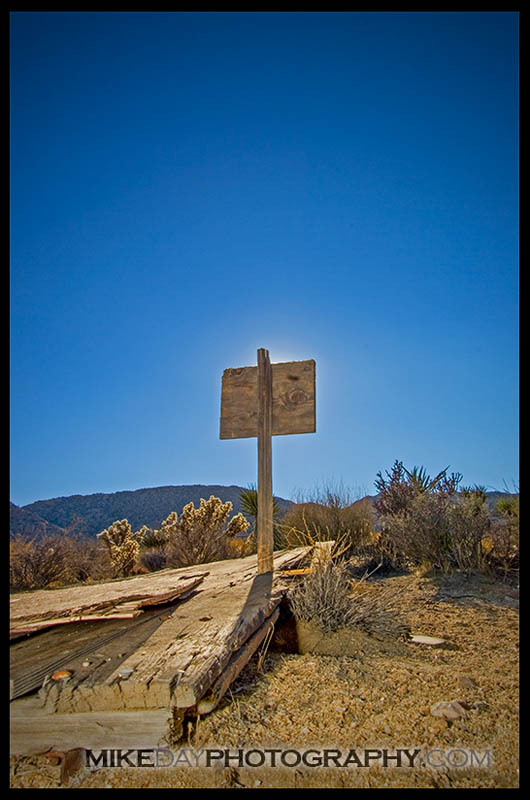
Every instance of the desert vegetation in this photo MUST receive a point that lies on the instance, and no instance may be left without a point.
(414, 522)
(329, 513)
(430, 523)
(197, 536)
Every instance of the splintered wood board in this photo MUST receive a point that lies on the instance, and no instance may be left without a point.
(176, 665)
(122, 596)
(293, 400)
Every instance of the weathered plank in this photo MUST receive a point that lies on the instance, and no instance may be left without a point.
(194, 642)
(78, 601)
(91, 650)
(32, 731)
(293, 397)
(235, 665)
(293, 400)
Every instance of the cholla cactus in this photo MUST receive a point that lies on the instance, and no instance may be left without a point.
(123, 545)
(201, 534)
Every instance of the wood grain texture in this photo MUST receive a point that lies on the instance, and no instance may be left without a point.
(293, 400)
(235, 665)
(128, 594)
(33, 731)
(264, 522)
(183, 654)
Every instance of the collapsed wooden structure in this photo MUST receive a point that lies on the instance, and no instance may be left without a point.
(173, 640)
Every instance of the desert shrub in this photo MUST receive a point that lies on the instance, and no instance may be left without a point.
(329, 598)
(152, 558)
(53, 561)
(324, 597)
(86, 561)
(502, 547)
(502, 544)
(439, 530)
(123, 546)
(200, 535)
(329, 515)
(428, 521)
(400, 487)
(36, 563)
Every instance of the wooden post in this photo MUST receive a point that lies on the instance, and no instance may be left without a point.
(265, 505)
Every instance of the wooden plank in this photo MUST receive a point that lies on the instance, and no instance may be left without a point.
(79, 601)
(239, 403)
(293, 400)
(236, 664)
(41, 625)
(264, 522)
(223, 639)
(32, 731)
(101, 644)
(178, 661)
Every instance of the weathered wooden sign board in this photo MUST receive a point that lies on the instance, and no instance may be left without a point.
(265, 401)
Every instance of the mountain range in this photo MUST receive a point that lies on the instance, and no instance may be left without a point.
(92, 513)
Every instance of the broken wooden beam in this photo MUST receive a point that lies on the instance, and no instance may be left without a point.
(235, 665)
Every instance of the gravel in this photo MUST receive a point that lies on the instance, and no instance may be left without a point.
(376, 693)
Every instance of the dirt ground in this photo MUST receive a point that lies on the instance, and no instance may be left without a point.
(377, 697)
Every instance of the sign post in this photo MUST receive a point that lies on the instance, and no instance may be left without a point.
(265, 501)
(265, 401)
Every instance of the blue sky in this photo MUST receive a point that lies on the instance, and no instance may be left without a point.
(189, 187)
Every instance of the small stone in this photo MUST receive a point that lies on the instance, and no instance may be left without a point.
(481, 706)
(466, 682)
(432, 641)
(125, 673)
(450, 710)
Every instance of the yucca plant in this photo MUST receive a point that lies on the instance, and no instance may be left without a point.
(421, 481)
(249, 504)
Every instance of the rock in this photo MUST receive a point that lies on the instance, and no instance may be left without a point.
(432, 641)
(466, 682)
(450, 710)
(438, 725)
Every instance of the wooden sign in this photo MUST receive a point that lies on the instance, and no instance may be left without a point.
(293, 400)
(265, 401)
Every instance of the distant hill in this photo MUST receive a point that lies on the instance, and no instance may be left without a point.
(29, 524)
(90, 514)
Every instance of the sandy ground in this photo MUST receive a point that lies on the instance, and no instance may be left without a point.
(377, 697)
